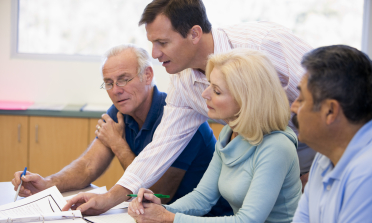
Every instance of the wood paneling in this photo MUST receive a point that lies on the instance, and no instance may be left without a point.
(13, 145)
(56, 142)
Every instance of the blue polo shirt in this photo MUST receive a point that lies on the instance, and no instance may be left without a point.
(340, 193)
(195, 157)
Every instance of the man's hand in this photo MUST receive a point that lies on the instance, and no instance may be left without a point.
(32, 183)
(110, 133)
(89, 204)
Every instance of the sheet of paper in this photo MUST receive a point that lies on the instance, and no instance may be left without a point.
(47, 106)
(100, 190)
(45, 202)
(112, 216)
(96, 107)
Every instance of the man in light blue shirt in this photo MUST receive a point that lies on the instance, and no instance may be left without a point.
(334, 113)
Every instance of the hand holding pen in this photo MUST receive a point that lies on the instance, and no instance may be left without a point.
(32, 183)
(19, 187)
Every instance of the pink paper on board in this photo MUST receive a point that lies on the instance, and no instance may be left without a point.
(15, 105)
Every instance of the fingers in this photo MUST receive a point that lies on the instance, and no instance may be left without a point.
(16, 180)
(75, 200)
(106, 118)
(141, 192)
(120, 118)
(136, 207)
(152, 198)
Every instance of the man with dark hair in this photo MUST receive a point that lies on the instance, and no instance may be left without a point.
(182, 39)
(334, 113)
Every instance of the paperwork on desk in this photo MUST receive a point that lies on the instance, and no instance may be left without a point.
(46, 106)
(47, 206)
(96, 107)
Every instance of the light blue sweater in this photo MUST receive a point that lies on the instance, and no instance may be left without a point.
(261, 183)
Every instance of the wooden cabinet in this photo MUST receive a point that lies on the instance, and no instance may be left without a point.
(55, 142)
(47, 144)
(13, 145)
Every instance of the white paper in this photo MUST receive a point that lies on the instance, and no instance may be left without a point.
(112, 216)
(48, 203)
(47, 106)
(96, 107)
(100, 190)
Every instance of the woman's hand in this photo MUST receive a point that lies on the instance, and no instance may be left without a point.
(154, 213)
(144, 195)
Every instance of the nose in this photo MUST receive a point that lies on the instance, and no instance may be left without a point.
(206, 93)
(116, 89)
(156, 52)
(294, 106)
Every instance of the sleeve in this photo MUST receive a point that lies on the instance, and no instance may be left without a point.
(191, 151)
(357, 202)
(285, 51)
(200, 201)
(271, 165)
(302, 211)
(178, 125)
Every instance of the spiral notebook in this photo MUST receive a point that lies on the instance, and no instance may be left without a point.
(46, 206)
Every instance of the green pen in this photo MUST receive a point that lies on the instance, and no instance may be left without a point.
(156, 195)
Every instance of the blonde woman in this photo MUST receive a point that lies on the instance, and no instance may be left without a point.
(255, 166)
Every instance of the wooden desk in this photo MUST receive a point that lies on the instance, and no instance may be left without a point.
(7, 192)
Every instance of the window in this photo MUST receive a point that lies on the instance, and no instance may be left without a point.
(89, 28)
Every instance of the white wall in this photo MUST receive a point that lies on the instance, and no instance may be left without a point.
(51, 81)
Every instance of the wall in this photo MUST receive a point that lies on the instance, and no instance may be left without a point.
(51, 81)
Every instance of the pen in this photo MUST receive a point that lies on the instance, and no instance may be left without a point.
(156, 195)
(19, 187)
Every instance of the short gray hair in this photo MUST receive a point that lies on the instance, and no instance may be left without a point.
(143, 57)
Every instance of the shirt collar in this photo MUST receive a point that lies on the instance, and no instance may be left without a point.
(156, 104)
(221, 45)
(357, 143)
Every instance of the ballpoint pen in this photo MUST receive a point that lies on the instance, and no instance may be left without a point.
(156, 195)
(19, 187)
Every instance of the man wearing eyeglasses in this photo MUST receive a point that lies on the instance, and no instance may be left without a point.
(126, 129)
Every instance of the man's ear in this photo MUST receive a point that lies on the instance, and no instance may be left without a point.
(331, 110)
(195, 34)
(148, 75)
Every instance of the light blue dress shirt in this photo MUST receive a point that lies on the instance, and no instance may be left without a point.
(261, 183)
(342, 193)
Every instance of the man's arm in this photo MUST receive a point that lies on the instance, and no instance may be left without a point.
(168, 184)
(78, 174)
(178, 125)
(112, 135)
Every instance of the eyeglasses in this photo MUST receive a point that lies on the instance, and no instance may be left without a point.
(119, 83)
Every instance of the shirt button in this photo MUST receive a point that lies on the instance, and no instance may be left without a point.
(328, 187)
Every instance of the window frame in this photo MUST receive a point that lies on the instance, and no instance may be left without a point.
(366, 43)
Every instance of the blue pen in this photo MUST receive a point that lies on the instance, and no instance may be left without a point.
(19, 187)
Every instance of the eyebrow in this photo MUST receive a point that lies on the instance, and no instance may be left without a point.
(120, 76)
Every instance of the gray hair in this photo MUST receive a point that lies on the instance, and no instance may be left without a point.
(143, 58)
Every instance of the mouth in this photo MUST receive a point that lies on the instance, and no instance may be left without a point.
(209, 107)
(123, 100)
(165, 63)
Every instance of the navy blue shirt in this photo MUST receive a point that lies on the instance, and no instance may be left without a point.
(195, 157)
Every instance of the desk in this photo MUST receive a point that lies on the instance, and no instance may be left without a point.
(7, 192)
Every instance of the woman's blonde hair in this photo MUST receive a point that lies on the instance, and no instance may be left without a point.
(253, 82)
